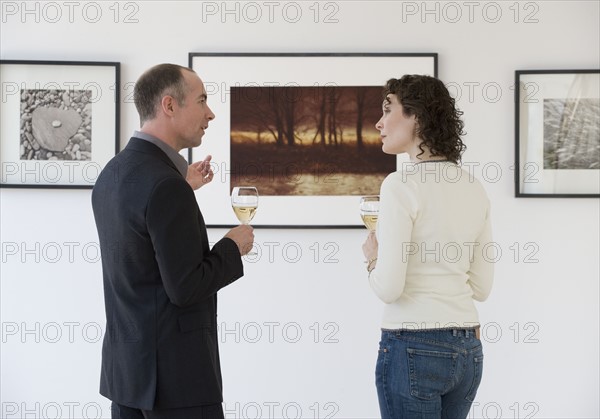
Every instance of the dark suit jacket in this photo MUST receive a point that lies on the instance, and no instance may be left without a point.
(160, 284)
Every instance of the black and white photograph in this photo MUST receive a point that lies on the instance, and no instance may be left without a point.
(59, 122)
(56, 124)
(571, 134)
(557, 133)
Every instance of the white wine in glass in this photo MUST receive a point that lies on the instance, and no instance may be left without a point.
(369, 211)
(244, 200)
(244, 213)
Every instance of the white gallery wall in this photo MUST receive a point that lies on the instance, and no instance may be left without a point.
(299, 333)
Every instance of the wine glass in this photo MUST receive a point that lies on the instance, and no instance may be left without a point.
(369, 211)
(244, 200)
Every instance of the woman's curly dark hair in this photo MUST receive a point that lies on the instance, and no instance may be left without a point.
(438, 121)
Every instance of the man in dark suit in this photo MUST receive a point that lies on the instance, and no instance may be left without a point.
(160, 356)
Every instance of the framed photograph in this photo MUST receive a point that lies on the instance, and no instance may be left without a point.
(300, 128)
(59, 122)
(557, 133)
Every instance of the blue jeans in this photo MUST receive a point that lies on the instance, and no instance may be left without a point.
(428, 374)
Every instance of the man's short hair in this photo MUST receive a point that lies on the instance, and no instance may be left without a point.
(154, 84)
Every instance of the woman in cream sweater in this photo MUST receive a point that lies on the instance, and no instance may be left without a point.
(428, 260)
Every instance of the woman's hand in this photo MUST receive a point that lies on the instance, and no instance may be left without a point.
(370, 246)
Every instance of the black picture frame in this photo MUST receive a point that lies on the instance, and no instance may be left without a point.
(557, 133)
(59, 122)
(221, 71)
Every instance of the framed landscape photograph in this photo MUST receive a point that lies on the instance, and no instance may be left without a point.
(557, 133)
(59, 122)
(300, 128)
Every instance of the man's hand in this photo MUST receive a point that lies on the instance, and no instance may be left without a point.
(243, 236)
(200, 173)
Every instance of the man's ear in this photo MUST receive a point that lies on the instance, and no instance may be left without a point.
(167, 105)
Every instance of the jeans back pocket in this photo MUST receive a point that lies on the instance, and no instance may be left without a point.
(431, 372)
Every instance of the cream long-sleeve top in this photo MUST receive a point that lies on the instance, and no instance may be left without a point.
(436, 253)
